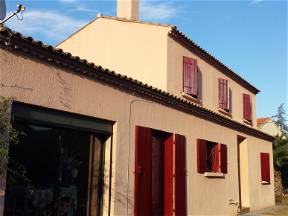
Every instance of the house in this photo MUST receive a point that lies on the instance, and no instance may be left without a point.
(267, 125)
(178, 138)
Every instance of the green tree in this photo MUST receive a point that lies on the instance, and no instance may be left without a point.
(280, 151)
(7, 134)
(280, 157)
(281, 118)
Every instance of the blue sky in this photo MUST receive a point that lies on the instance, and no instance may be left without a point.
(248, 36)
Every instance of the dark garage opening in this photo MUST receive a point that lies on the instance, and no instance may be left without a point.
(55, 169)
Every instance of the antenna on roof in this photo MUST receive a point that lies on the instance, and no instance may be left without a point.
(20, 9)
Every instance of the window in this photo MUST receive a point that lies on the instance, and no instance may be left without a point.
(265, 168)
(211, 156)
(247, 107)
(63, 157)
(190, 76)
(160, 168)
(224, 95)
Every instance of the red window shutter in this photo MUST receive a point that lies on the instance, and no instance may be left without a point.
(223, 155)
(190, 76)
(223, 93)
(194, 78)
(247, 107)
(228, 95)
(220, 96)
(201, 156)
(216, 158)
(143, 167)
(168, 176)
(249, 117)
(265, 167)
(244, 106)
(180, 176)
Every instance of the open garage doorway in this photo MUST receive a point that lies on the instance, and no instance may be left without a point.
(58, 166)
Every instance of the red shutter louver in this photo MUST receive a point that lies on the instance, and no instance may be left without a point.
(180, 176)
(190, 76)
(223, 93)
(220, 89)
(247, 107)
(226, 103)
(168, 175)
(265, 167)
(223, 158)
(201, 155)
(143, 166)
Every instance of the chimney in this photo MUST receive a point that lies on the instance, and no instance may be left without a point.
(128, 9)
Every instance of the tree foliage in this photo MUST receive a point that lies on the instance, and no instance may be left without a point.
(280, 118)
(280, 151)
(7, 133)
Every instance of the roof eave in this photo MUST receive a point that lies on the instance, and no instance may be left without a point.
(15, 42)
(196, 49)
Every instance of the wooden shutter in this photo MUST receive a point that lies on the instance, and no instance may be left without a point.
(190, 76)
(247, 107)
(216, 158)
(223, 158)
(223, 87)
(180, 176)
(265, 167)
(168, 175)
(220, 89)
(143, 166)
(201, 155)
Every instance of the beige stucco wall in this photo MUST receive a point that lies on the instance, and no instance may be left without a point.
(145, 52)
(270, 128)
(133, 49)
(210, 77)
(47, 86)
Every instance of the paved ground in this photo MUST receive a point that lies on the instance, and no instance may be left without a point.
(279, 210)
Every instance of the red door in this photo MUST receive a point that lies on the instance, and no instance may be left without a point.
(158, 185)
(180, 175)
(168, 176)
(143, 165)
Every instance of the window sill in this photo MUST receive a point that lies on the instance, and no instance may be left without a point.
(224, 112)
(265, 183)
(214, 175)
(247, 122)
(191, 98)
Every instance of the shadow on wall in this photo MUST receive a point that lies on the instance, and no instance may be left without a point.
(65, 93)
(121, 195)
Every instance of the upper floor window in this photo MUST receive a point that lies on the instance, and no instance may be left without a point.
(224, 94)
(190, 76)
(247, 107)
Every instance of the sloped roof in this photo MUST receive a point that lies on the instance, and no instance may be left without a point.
(189, 44)
(261, 121)
(26, 46)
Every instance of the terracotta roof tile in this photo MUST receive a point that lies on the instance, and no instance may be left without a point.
(261, 121)
(14, 41)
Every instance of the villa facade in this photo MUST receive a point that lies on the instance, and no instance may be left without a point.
(177, 138)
